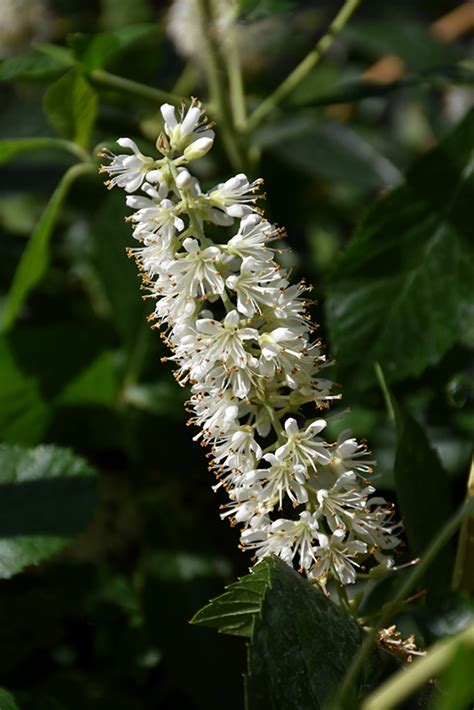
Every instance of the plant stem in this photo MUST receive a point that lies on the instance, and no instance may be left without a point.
(438, 543)
(236, 84)
(289, 84)
(217, 90)
(100, 76)
(463, 575)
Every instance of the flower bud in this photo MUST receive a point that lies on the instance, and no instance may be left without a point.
(198, 148)
(184, 179)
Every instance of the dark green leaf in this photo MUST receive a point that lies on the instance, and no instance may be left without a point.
(35, 258)
(70, 105)
(24, 415)
(424, 495)
(457, 681)
(328, 150)
(300, 642)
(7, 701)
(47, 495)
(403, 290)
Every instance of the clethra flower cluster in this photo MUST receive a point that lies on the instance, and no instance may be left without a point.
(240, 335)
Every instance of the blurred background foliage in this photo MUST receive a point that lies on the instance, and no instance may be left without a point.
(104, 622)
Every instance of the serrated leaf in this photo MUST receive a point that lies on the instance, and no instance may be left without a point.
(35, 258)
(403, 290)
(234, 612)
(47, 495)
(70, 105)
(7, 701)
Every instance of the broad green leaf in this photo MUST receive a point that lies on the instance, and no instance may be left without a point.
(235, 611)
(47, 495)
(24, 415)
(392, 298)
(424, 495)
(463, 576)
(300, 642)
(35, 258)
(7, 701)
(327, 150)
(457, 680)
(70, 105)
(11, 147)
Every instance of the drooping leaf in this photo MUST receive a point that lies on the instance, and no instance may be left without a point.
(70, 105)
(403, 290)
(47, 495)
(24, 415)
(7, 701)
(35, 258)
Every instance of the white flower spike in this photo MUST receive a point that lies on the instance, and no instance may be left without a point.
(241, 336)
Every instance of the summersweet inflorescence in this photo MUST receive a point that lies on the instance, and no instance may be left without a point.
(241, 336)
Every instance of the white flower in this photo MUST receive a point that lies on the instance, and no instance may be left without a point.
(256, 285)
(336, 556)
(189, 127)
(235, 197)
(196, 272)
(126, 171)
(304, 447)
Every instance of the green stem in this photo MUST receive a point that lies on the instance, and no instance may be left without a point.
(187, 80)
(392, 607)
(236, 84)
(463, 575)
(289, 84)
(217, 90)
(100, 76)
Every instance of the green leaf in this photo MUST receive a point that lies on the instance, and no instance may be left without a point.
(327, 150)
(424, 495)
(47, 495)
(96, 51)
(392, 296)
(7, 701)
(11, 147)
(34, 67)
(300, 642)
(70, 105)
(117, 273)
(234, 612)
(24, 415)
(35, 258)
(457, 680)
(97, 384)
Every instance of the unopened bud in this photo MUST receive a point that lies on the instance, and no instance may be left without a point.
(198, 148)
(162, 144)
(183, 180)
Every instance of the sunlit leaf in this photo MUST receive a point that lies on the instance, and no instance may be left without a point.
(70, 105)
